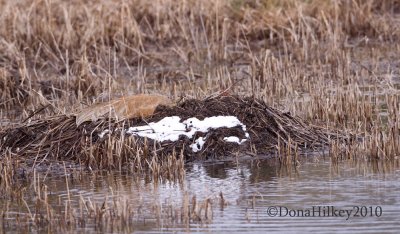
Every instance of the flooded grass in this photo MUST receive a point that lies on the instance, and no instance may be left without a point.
(332, 64)
(211, 197)
(81, 200)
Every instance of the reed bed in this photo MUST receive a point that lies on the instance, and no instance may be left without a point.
(325, 71)
(60, 139)
(42, 210)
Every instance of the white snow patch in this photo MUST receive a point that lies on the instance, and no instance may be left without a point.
(198, 144)
(171, 128)
(234, 139)
(167, 129)
(214, 123)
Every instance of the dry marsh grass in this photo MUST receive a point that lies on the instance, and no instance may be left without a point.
(68, 53)
(332, 63)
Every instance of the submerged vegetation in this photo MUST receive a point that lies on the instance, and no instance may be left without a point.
(325, 69)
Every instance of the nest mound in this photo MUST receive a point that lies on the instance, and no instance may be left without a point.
(59, 138)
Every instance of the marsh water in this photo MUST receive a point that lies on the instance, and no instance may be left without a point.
(251, 196)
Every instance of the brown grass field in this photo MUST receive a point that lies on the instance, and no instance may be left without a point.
(330, 62)
(334, 64)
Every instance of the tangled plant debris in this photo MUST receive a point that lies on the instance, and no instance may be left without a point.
(171, 128)
(198, 129)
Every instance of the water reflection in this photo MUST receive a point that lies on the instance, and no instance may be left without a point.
(249, 189)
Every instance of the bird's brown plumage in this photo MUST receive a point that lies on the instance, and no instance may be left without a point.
(126, 107)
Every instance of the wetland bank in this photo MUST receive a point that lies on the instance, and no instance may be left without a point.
(327, 72)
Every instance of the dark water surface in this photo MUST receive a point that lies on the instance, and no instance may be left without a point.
(258, 196)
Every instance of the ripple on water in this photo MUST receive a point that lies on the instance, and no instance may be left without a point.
(250, 189)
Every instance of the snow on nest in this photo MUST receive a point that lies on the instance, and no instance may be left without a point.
(171, 128)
